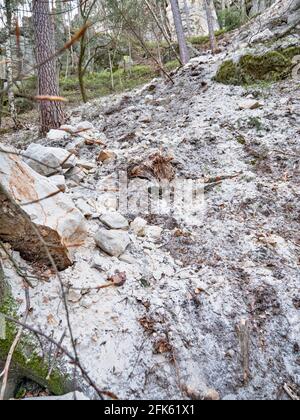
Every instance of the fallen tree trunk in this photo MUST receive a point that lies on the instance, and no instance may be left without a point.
(48, 214)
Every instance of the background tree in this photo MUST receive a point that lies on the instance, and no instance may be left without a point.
(51, 112)
(183, 48)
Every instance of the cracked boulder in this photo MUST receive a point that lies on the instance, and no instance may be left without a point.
(31, 208)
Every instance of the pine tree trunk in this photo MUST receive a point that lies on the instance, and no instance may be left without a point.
(184, 53)
(51, 113)
(211, 29)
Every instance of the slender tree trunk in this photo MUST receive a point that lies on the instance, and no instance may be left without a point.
(211, 29)
(9, 65)
(81, 70)
(184, 52)
(243, 10)
(51, 112)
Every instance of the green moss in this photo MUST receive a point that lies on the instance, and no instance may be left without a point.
(228, 73)
(204, 39)
(26, 361)
(270, 67)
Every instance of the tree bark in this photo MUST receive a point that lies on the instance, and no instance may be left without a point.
(184, 52)
(51, 112)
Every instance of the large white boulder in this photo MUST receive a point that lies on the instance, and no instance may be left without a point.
(30, 202)
(47, 160)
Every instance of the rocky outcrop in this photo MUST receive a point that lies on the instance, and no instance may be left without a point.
(194, 17)
(32, 206)
(277, 21)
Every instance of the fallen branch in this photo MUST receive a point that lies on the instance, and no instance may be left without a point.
(245, 348)
(291, 393)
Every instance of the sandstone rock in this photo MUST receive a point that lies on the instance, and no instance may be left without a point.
(114, 220)
(59, 181)
(76, 175)
(76, 144)
(46, 160)
(194, 17)
(86, 165)
(113, 242)
(84, 207)
(138, 226)
(127, 258)
(212, 395)
(154, 232)
(145, 118)
(262, 36)
(56, 218)
(250, 104)
(74, 296)
(57, 135)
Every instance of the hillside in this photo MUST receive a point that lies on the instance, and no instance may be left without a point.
(204, 300)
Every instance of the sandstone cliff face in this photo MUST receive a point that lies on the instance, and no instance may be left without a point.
(194, 17)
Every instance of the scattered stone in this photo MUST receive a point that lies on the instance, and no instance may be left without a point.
(47, 160)
(76, 144)
(262, 36)
(154, 232)
(84, 207)
(102, 263)
(106, 155)
(138, 226)
(113, 242)
(59, 181)
(57, 135)
(74, 297)
(114, 220)
(146, 118)
(250, 104)
(86, 165)
(76, 175)
(127, 258)
(85, 125)
(212, 395)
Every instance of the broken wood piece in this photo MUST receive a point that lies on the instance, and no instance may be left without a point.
(245, 348)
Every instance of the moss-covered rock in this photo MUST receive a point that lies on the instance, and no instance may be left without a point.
(27, 363)
(269, 67)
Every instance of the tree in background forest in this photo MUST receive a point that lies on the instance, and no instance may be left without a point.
(51, 112)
